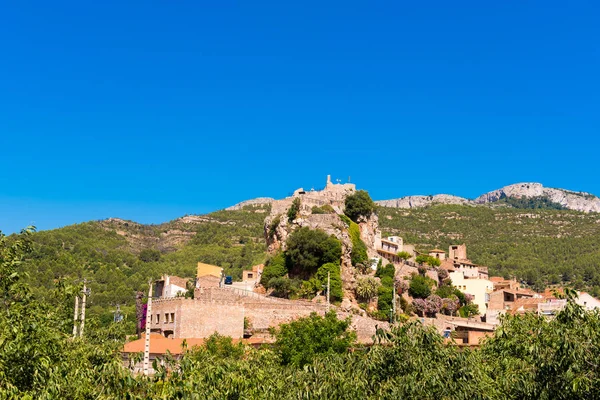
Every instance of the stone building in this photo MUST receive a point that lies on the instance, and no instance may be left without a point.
(391, 246)
(437, 253)
(458, 252)
(170, 286)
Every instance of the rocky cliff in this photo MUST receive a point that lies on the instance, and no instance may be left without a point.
(422, 201)
(251, 202)
(578, 201)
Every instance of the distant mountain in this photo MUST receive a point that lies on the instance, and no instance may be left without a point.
(520, 195)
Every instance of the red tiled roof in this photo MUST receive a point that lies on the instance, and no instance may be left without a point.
(160, 344)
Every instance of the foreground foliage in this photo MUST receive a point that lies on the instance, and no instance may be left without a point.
(530, 357)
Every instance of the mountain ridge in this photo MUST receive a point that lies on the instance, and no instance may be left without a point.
(553, 197)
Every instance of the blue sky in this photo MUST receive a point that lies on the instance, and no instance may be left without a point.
(152, 110)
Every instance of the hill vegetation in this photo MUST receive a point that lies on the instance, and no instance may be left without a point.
(118, 257)
(541, 246)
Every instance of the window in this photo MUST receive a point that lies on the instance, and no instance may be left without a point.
(158, 318)
(172, 317)
(250, 275)
(166, 318)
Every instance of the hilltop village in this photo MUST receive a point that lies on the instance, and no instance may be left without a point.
(326, 252)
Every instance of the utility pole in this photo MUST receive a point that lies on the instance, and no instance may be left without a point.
(75, 315)
(393, 316)
(83, 296)
(328, 290)
(148, 322)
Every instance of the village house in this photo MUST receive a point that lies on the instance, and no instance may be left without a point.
(479, 288)
(389, 248)
(170, 286)
(208, 275)
(470, 333)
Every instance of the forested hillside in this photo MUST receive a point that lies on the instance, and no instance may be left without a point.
(118, 257)
(541, 246)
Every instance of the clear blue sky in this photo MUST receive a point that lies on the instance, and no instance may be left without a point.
(150, 110)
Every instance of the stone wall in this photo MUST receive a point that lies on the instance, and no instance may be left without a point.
(197, 318)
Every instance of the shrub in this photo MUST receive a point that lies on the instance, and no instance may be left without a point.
(324, 209)
(388, 270)
(359, 248)
(366, 288)
(420, 287)
(335, 279)
(359, 205)
(469, 310)
(274, 268)
(273, 226)
(281, 287)
(294, 209)
(384, 299)
(450, 305)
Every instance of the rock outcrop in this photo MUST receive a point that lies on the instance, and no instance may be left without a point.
(423, 201)
(278, 227)
(252, 202)
(578, 201)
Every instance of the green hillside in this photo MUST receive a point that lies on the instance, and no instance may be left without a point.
(541, 246)
(118, 257)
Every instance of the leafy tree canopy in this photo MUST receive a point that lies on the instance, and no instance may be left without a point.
(301, 341)
(308, 249)
(359, 204)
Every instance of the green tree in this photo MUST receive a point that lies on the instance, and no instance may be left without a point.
(335, 279)
(420, 287)
(359, 204)
(404, 255)
(294, 209)
(308, 249)
(359, 248)
(274, 268)
(301, 341)
(389, 270)
(149, 255)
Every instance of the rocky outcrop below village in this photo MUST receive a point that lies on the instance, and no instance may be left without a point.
(578, 201)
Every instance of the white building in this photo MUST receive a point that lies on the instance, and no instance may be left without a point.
(476, 287)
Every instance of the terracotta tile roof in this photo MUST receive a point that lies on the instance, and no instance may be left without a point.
(448, 265)
(526, 304)
(160, 344)
(437, 251)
